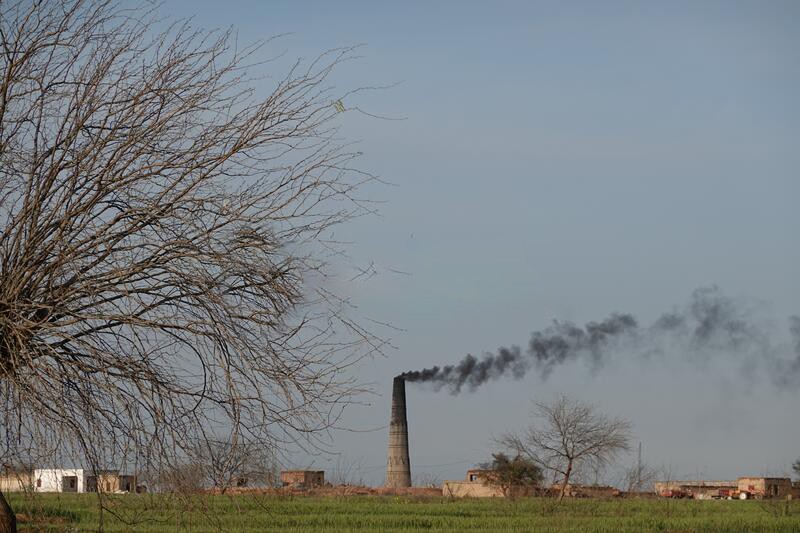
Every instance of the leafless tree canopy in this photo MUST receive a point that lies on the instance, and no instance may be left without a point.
(568, 435)
(217, 465)
(640, 478)
(159, 221)
(226, 465)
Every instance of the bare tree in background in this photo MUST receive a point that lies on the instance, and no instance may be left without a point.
(225, 465)
(640, 478)
(570, 434)
(184, 477)
(216, 465)
(159, 225)
(346, 472)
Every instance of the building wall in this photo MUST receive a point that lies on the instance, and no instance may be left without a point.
(699, 489)
(470, 489)
(305, 478)
(478, 484)
(766, 487)
(111, 482)
(293, 477)
(16, 481)
(52, 479)
(760, 487)
(108, 482)
(477, 474)
(315, 479)
(709, 493)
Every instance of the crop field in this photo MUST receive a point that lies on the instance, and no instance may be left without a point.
(157, 513)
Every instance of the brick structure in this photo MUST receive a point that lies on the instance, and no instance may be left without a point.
(111, 481)
(470, 489)
(765, 487)
(16, 480)
(478, 484)
(697, 489)
(303, 478)
(744, 488)
(398, 464)
(478, 474)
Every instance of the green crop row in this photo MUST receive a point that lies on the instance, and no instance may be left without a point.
(158, 513)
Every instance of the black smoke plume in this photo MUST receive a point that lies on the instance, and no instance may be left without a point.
(711, 322)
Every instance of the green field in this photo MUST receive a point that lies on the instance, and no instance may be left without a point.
(146, 513)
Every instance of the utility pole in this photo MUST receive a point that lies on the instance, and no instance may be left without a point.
(639, 469)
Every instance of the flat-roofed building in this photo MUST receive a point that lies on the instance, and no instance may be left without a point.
(16, 479)
(81, 480)
(479, 484)
(765, 487)
(697, 489)
(303, 478)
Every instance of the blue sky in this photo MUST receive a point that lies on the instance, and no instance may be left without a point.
(563, 160)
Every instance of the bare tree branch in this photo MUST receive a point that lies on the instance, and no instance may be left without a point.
(570, 434)
(159, 223)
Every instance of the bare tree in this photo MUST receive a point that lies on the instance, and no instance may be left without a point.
(570, 434)
(640, 477)
(163, 226)
(347, 471)
(185, 477)
(225, 465)
(217, 465)
(427, 480)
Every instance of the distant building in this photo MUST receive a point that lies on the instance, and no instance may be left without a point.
(575, 490)
(743, 488)
(476, 485)
(478, 474)
(697, 489)
(111, 481)
(303, 478)
(765, 487)
(16, 479)
(81, 480)
(479, 484)
(60, 480)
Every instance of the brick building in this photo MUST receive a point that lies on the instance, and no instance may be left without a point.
(303, 478)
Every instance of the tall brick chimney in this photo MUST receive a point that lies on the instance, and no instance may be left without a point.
(398, 467)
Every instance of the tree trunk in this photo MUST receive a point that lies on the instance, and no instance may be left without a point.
(8, 520)
(566, 481)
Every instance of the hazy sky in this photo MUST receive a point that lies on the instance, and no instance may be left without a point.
(562, 161)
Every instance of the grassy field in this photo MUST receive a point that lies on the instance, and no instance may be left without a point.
(156, 513)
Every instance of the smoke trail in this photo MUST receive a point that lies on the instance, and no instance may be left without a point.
(795, 330)
(711, 322)
(472, 372)
(789, 373)
(563, 341)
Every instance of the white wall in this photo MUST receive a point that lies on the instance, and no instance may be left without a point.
(51, 479)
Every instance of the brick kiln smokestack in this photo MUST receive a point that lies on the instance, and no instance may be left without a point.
(398, 467)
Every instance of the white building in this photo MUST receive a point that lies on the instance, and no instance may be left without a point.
(60, 480)
(81, 480)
